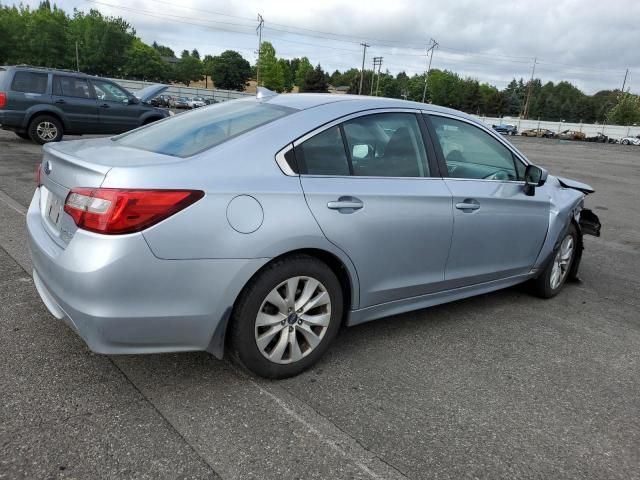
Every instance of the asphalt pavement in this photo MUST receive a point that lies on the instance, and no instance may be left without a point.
(503, 385)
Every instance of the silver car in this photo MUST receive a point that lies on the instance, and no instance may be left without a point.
(262, 225)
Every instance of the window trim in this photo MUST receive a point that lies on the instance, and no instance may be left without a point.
(432, 161)
(516, 155)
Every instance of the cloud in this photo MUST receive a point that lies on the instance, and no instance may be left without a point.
(586, 42)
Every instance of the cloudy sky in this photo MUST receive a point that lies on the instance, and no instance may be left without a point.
(590, 43)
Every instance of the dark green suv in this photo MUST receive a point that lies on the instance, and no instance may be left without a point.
(43, 104)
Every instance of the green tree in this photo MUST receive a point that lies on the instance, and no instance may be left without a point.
(188, 69)
(271, 72)
(288, 75)
(304, 67)
(145, 63)
(229, 70)
(315, 81)
(163, 51)
(627, 111)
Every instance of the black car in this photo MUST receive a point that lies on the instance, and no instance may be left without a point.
(43, 104)
(505, 129)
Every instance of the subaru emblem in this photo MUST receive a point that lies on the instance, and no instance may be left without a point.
(47, 167)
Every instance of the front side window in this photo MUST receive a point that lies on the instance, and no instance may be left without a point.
(204, 128)
(471, 153)
(109, 92)
(386, 145)
(30, 82)
(71, 87)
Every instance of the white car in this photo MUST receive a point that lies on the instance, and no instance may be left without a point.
(196, 102)
(630, 140)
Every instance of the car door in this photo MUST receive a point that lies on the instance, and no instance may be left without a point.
(375, 192)
(74, 97)
(117, 110)
(498, 229)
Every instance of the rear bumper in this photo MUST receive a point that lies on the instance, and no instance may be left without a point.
(120, 298)
(11, 120)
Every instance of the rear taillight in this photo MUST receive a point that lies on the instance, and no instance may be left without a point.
(3, 99)
(38, 175)
(114, 211)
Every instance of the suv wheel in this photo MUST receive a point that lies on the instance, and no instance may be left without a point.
(286, 317)
(45, 129)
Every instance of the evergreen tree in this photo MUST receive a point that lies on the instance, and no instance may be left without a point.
(315, 81)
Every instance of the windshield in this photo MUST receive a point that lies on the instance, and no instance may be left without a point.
(204, 128)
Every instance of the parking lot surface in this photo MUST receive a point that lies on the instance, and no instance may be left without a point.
(504, 385)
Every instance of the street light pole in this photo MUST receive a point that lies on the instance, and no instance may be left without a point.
(77, 58)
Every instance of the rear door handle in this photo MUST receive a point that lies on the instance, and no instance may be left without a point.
(468, 205)
(346, 204)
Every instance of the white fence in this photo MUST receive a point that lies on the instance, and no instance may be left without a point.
(208, 93)
(590, 129)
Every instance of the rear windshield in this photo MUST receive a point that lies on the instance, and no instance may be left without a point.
(30, 82)
(194, 132)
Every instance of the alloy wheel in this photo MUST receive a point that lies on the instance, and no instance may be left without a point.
(293, 319)
(561, 262)
(47, 131)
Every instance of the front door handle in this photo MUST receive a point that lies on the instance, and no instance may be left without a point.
(60, 101)
(468, 205)
(346, 204)
(104, 105)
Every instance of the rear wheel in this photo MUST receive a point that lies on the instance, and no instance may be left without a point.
(286, 317)
(625, 142)
(554, 276)
(45, 129)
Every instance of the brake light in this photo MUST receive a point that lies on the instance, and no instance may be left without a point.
(3, 99)
(114, 211)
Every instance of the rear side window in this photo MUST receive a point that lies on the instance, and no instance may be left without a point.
(71, 87)
(30, 82)
(204, 128)
(324, 153)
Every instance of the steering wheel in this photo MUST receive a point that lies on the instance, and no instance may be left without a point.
(499, 175)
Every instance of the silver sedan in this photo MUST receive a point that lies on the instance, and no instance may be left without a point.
(262, 225)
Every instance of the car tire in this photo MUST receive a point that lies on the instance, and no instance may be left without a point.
(266, 335)
(558, 269)
(45, 129)
(23, 135)
(625, 142)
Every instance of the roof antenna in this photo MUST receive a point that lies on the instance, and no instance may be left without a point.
(264, 93)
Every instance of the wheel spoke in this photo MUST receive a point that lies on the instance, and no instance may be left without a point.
(321, 320)
(292, 287)
(264, 339)
(278, 350)
(275, 299)
(266, 320)
(309, 335)
(321, 299)
(296, 353)
(309, 289)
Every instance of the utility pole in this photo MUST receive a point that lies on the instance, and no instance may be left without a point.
(624, 83)
(259, 31)
(364, 54)
(433, 45)
(378, 82)
(78, 59)
(525, 113)
(377, 61)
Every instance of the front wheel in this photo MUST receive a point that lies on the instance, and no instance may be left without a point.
(286, 317)
(554, 276)
(45, 129)
(625, 142)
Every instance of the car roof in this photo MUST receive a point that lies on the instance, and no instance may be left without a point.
(304, 101)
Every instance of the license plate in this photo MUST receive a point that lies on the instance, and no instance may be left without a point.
(53, 208)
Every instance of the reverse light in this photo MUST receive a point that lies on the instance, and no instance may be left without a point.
(115, 211)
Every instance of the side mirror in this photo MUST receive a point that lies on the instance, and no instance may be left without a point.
(131, 101)
(534, 176)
